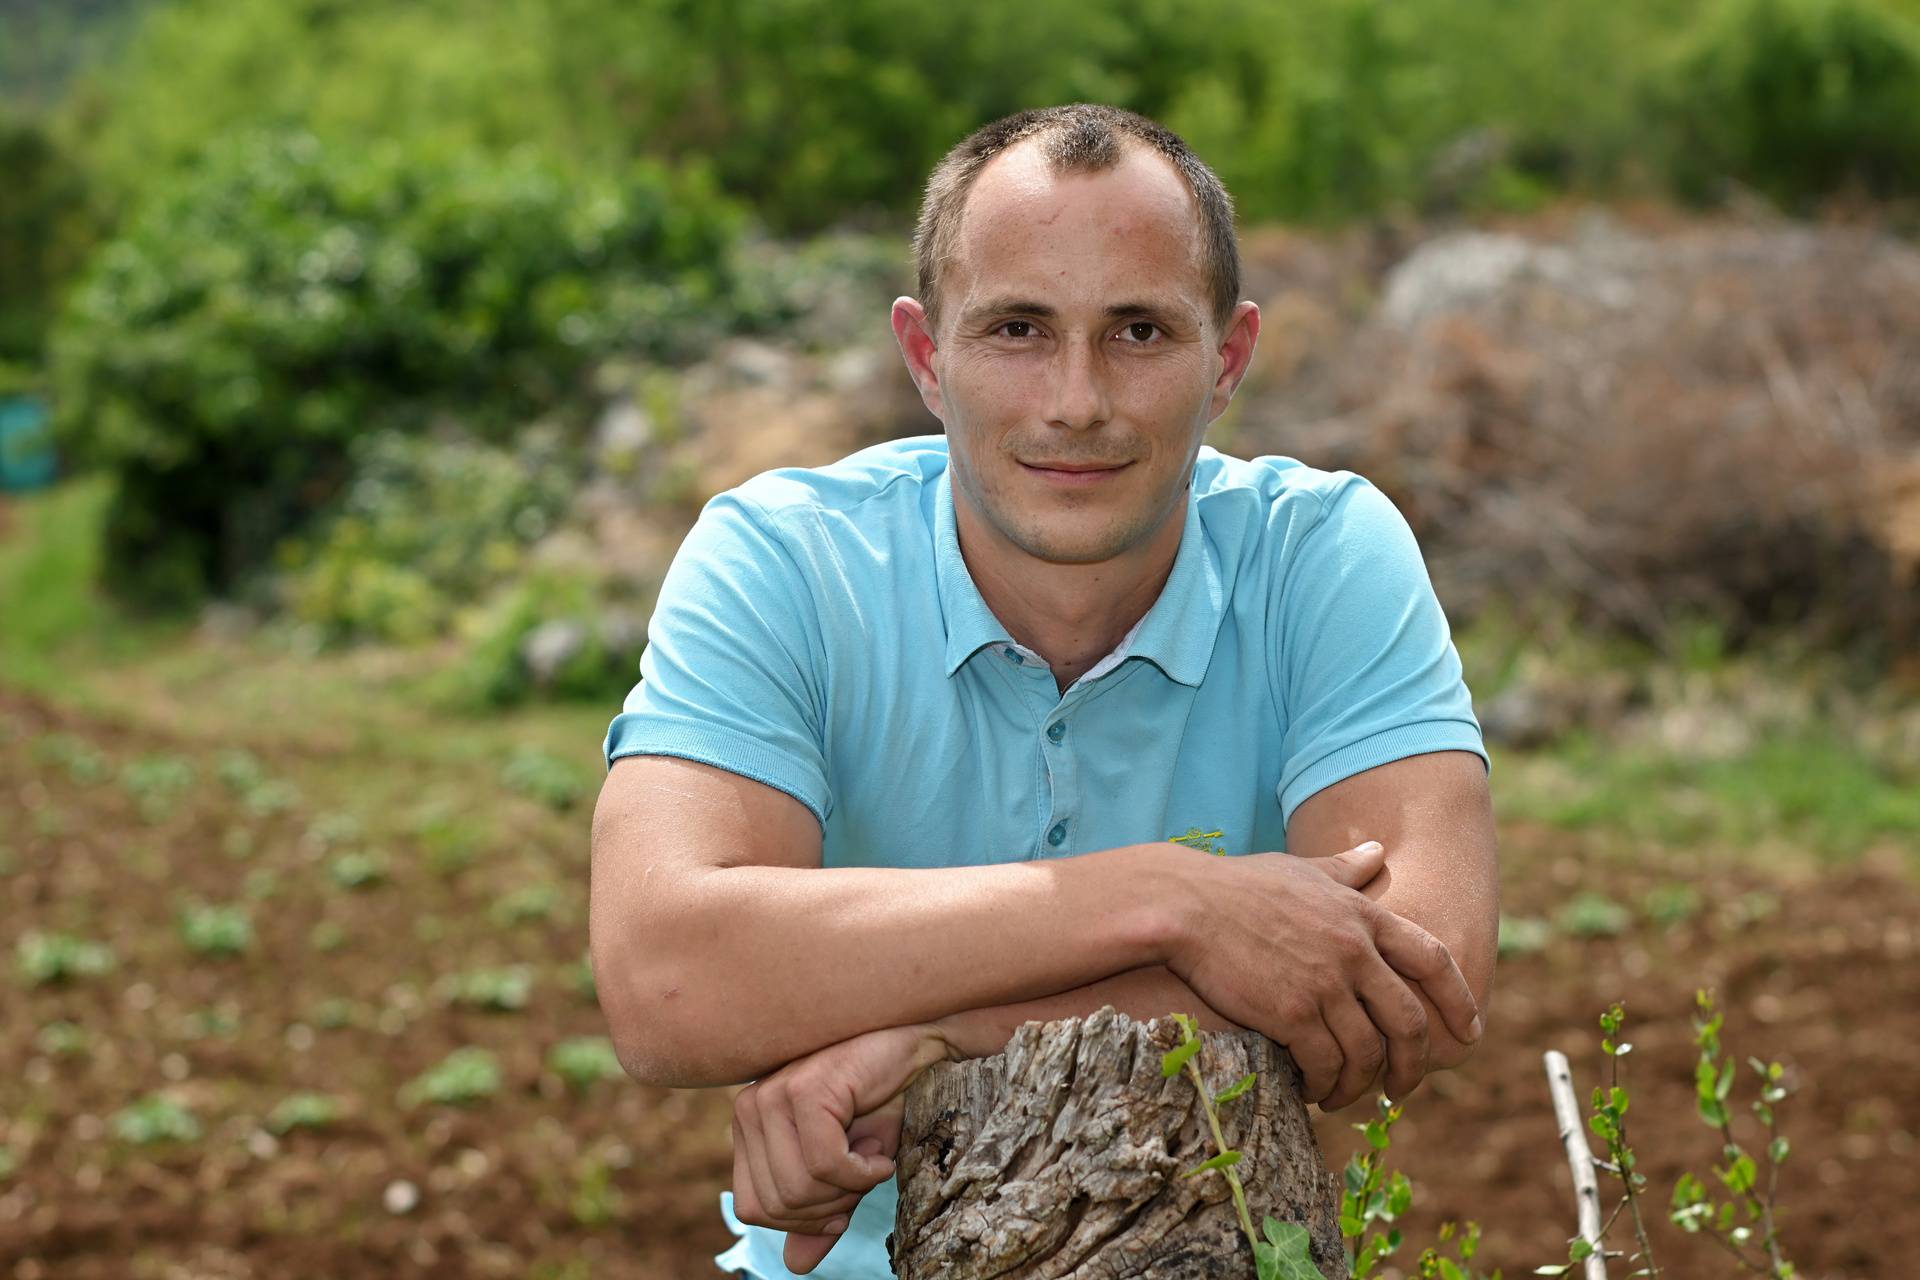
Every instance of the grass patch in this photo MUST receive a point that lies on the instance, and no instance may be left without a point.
(1812, 789)
(50, 558)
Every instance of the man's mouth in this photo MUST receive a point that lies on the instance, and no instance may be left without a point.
(1075, 474)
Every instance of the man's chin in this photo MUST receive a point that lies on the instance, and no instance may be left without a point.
(1074, 545)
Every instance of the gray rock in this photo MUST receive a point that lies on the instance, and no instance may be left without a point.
(549, 646)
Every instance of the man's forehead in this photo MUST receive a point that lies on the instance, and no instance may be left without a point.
(1137, 216)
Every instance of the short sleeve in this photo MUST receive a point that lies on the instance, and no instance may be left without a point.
(730, 676)
(1364, 665)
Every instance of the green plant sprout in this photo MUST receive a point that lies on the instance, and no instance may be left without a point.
(1285, 1253)
(154, 1119)
(1694, 1209)
(46, 958)
(1609, 1123)
(1370, 1195)
(465, 1076)
(1205, 841)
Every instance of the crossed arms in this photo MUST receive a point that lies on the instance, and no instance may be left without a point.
(723, 950)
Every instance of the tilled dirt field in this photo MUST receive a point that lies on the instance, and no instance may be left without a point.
(342, 991)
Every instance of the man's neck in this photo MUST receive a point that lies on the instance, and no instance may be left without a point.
(1072, 615)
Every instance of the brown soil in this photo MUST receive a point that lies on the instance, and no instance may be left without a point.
(1824, 981)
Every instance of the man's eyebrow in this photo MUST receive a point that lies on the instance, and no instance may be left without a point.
(1004, 306)
(1000, 306)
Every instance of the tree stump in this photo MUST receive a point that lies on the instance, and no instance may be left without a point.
(1060, 1159)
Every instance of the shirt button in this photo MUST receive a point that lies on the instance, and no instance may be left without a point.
(1011, 654)
(1058, 834)
(1056, 731)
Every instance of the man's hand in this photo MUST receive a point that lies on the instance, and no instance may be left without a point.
(1290, 947)
(822, 1131)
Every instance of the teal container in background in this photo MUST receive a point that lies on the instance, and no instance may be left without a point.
(26, 444)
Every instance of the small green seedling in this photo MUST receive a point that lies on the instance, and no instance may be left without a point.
(526, 904)
(543, 776)
(1285, 1253)
(362, 870)
(63, 1040)
(211, 929)
(45, 958)
(1594, 915)
(304, 1111)
(501, 990)
(154, 1119)
(585, 1061)
(463, 1077)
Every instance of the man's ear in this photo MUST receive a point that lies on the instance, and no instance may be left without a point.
(1236, 353)
(915, 336)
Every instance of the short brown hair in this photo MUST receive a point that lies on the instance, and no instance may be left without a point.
(1082, 137)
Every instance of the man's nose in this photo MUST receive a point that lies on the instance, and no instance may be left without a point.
(1079, 386)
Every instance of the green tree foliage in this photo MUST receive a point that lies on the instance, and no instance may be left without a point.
(283, 297)
(45, 227)
(819, 111)
(1797, 98)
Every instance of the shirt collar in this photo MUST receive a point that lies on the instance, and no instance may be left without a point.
(1177, 634)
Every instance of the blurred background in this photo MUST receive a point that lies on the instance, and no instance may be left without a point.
(362, 365)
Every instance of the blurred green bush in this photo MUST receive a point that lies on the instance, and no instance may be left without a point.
(46, 226)
(425, 527)
(282, 297)
(1796, 98)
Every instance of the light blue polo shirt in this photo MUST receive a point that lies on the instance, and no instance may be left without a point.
(818, 631)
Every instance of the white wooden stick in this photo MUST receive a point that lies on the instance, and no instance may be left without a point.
(1573, 1136)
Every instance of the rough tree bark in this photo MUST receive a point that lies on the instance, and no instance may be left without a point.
(1060, 1159)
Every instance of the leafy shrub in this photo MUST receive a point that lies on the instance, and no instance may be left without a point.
(608, 633)
(1796, 98)
(45, 228)
(424, 526)
(282, 298)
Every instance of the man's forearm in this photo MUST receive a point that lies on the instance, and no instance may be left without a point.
(1146, 993)
(736, 971)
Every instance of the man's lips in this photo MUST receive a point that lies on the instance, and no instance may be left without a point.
(1075, 475)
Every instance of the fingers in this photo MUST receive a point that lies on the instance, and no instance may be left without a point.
(1356, 866)
(803, 1252)
(1419, 955)
(1317, 1054)
(1362, 1050)
(824, 1159)
(758, 1198)
(1396, 1011)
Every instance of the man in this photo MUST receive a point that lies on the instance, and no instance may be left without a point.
(913, 729)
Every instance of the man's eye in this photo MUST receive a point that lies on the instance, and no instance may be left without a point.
(1022, 325)
(1135, 330)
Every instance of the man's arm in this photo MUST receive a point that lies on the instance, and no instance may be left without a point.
(722, 949)
(1434, 813)
(1146, 993)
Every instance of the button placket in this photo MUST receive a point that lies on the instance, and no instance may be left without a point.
(1063, 775)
